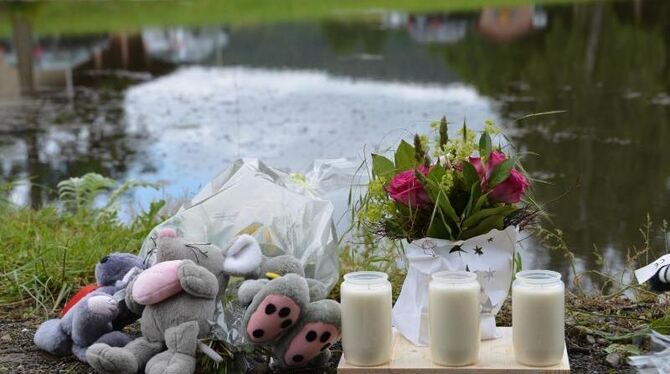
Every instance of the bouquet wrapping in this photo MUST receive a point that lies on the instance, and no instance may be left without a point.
(490, 256)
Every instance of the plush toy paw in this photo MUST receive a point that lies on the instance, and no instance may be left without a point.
(102, 306)
(115, 339)
(182, 342)
(248, 289)
(317, 330)
(317, 290)
(111, 360)
(275, 308)
(51, 338)
(171, 363)
(197, 280)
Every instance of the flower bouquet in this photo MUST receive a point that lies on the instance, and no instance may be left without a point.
(457, 210)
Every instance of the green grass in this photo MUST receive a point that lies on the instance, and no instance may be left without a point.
(47, 255)
(78, 17)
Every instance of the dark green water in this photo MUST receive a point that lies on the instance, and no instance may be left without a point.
(177, 104)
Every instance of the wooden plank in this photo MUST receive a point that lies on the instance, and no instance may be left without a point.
(495, 357)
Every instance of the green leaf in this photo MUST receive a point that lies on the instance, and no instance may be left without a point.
(488, 224)
(661, 325)
(439, 228)
(438, 196)
(501, 172)
(470, 174)
(475, 191)
(445, 206)
(518, 263)
(404, 157)
(436, 173)
(485, 145)
(382, 167)
(628, 349)
(475, 218)
(480, 202)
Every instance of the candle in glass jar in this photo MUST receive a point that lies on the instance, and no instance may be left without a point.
(538, 317)
(366, 318)
(453, 312)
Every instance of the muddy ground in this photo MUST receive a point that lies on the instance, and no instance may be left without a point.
(18, 354)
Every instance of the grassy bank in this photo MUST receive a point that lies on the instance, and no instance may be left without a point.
(47, 254)
(79, 17)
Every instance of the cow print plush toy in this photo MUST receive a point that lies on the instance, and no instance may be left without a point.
(660, 282)
(290, 314)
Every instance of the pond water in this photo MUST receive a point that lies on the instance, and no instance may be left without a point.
(176, 101)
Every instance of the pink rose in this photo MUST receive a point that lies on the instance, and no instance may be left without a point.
(511, 189)
(508, 191)
(485, 171)
(406, 189)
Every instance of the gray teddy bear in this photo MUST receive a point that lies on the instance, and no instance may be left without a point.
(179, 294)
(97, 316)
(290, 313)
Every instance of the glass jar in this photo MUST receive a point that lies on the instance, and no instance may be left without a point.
(453, 312)
(538, 317)
(366, 318)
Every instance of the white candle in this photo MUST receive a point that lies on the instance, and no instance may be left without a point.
(538, 317)
(453, 311)
(366, 318)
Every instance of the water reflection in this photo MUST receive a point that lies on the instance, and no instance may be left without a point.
(126, 106)
(181, 45)
(220, 114)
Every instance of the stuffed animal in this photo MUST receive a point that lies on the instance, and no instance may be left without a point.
(290, 314)
(660, 282)
(93, 315)
(657, 274)
(179, 293)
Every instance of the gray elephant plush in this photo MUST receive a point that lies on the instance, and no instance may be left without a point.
(179, 294)
(96, 316)
(290, 314)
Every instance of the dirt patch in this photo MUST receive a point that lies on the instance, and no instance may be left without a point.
(18, 354)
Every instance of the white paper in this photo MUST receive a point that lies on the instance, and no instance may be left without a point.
(490, 256)
(645, 273)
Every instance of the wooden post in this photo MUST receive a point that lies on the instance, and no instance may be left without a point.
(23, 42)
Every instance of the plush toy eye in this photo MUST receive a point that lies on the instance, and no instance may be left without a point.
(104, 259)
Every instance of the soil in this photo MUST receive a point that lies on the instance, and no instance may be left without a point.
(18, 354)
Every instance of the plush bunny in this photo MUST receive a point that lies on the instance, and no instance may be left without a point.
(97, 316)
(290, 314)
(179, 294)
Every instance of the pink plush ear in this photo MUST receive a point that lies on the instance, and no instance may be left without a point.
(167, 233)
(157, 283)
